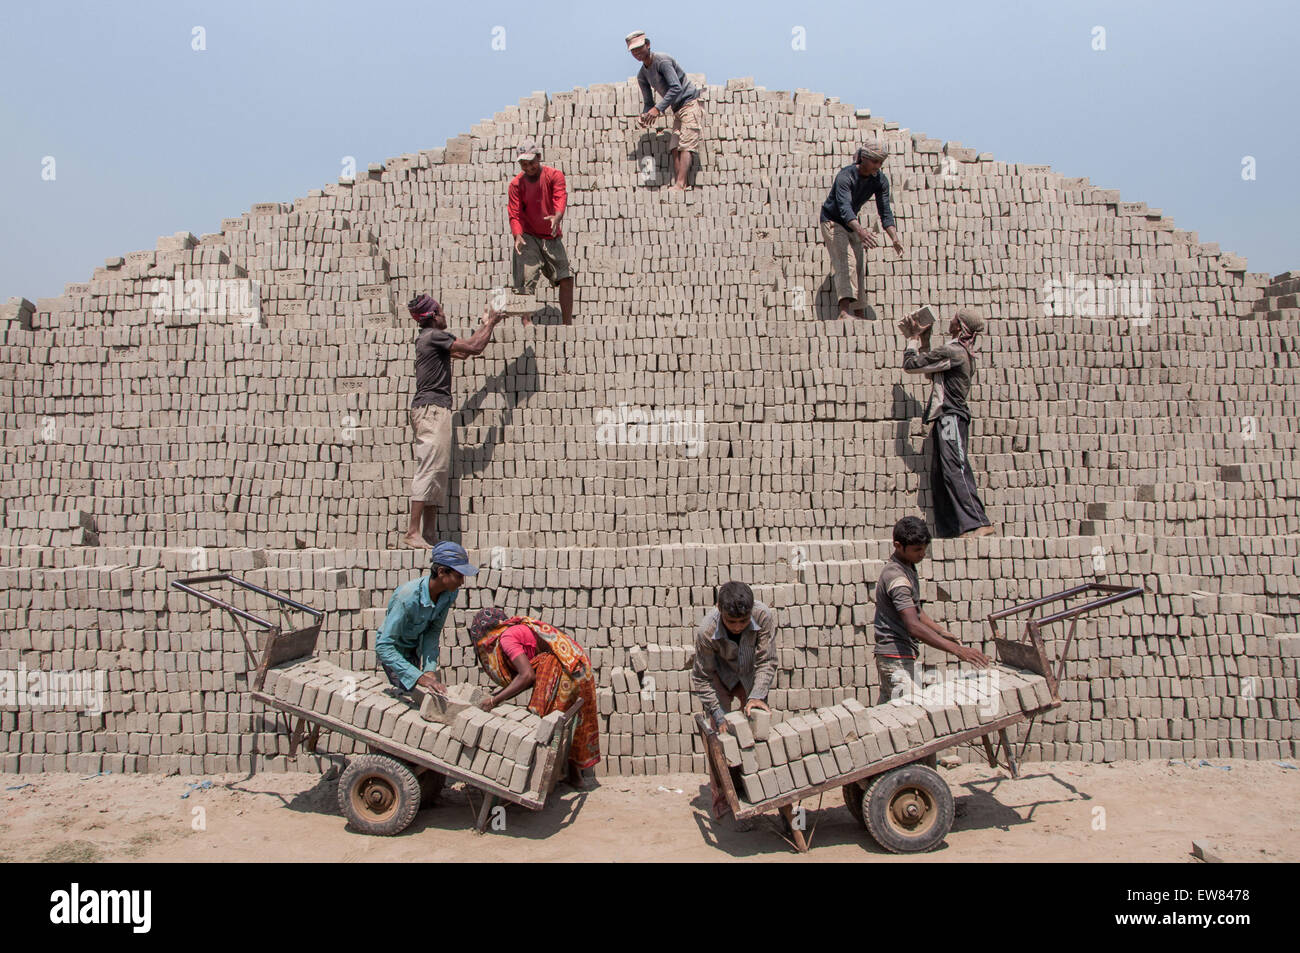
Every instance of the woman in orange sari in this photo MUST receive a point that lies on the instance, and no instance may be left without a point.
(519, 652)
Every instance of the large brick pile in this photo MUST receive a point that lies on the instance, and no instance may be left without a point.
(698, 423)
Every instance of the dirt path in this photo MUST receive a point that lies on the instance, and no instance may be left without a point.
(1146, 811)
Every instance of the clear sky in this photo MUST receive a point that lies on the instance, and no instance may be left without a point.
(150, 136)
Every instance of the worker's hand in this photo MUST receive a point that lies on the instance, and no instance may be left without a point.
(722, 727)
(869, 239)
(898, 247)
(430, 681)
(554, 220)
(649, 116)
(755, 703)
(519, 244)
(908, 327)
(487, 704)
(974, 656)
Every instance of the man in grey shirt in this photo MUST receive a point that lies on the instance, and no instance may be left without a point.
(659, 72)
(900, 624)
(735, 654)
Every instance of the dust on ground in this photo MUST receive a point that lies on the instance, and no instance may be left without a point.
(1063, 811)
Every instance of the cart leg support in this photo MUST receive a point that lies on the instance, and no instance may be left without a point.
(1011, 755)
(800, 844)
(485, 812)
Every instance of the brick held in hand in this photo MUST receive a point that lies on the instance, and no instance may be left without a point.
(445, 708)
(738, 725)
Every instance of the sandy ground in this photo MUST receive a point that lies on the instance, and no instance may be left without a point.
(1145, 811)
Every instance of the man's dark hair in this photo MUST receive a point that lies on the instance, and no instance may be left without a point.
(911, 530)
(735, 600)
(438, 569)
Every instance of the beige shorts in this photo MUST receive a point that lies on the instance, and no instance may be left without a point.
(541, 256)
(432, 426)
(688, 127)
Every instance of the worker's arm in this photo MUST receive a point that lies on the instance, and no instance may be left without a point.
(515, 206)
(937, 627)
(919, 359)
(473, 345)
(647, 97)
(702, 678)
(884, 207)
(764, 662)
(918, 630)
(524, 678)
(559, 200)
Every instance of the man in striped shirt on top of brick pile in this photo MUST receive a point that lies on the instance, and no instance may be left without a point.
(660, 73)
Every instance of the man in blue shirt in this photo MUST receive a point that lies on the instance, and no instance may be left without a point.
(660, 72)
(407, 644)
(854, 184)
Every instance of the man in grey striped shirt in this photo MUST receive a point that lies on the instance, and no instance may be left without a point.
(659, 72)
(735, 654)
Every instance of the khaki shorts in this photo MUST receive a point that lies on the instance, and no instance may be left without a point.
(688, 127)
(541, 256)
(432, 426)
(848, 262)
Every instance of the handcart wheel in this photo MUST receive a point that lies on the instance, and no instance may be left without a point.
(853, 800)
(909, 809)
(378, 795)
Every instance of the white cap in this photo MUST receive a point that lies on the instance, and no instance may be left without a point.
(636, 40)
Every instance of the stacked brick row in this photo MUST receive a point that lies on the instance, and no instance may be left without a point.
(802, 751)
(501, 748)
(697, 424)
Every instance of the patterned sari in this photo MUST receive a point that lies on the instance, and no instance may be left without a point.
(563, 675)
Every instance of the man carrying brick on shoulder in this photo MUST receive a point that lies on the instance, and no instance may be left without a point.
(958, 510)
(407, 643)
(901, 625)
(537, 199)
(431, 410)
(842, 234)
(659, 72)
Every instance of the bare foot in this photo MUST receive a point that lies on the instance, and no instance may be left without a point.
(415, 541)
(980, 531)
(846, 315)
(526, 320)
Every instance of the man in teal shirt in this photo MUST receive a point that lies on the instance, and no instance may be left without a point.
(407, 644)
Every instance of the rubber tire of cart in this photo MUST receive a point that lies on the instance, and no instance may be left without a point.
(431, 783)
(924, 784)
(391, 781)
(853, 800)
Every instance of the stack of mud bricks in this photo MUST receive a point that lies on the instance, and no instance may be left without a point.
(801, 751)
(500, 747)
(699, 422)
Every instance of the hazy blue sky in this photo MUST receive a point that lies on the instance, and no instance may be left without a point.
(151, 137)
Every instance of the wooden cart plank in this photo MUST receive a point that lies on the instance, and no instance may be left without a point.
(405, 752)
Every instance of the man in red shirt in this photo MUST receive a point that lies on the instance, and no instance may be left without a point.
(537, 203)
